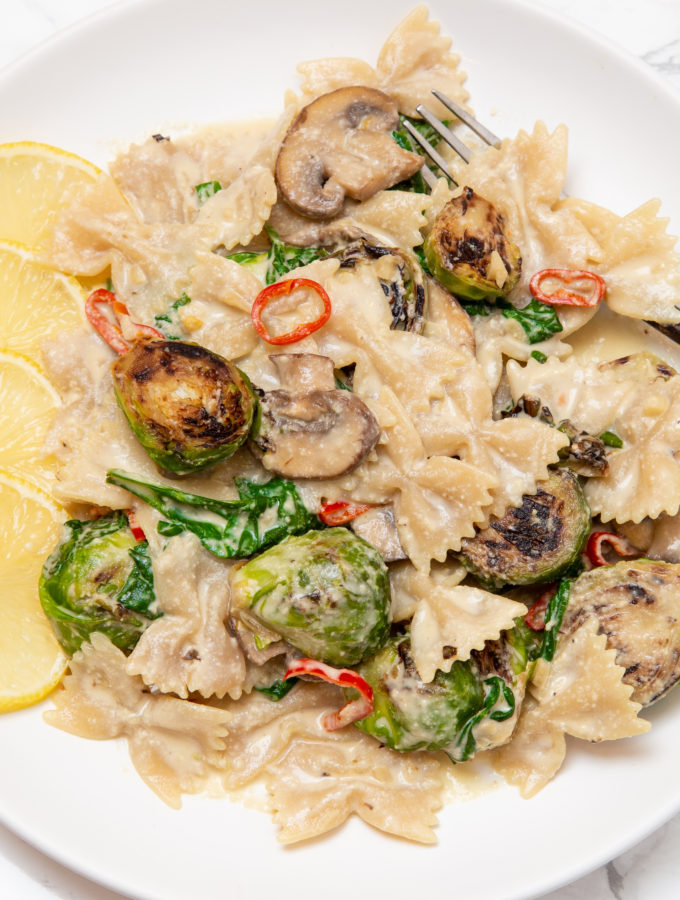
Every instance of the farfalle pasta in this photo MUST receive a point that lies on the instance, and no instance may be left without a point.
(336, 478)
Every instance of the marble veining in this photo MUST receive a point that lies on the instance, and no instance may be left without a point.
(650, 871)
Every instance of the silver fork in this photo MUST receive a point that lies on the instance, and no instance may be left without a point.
(448, 137)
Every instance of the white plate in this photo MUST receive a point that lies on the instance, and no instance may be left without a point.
(156, 66)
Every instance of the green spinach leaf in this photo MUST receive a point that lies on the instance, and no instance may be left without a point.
(554, 614)
(278, 689)
(539, 320)
(263, 515)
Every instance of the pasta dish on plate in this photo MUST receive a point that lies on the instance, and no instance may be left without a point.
(359, 487)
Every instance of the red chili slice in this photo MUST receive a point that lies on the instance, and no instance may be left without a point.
(535, 617)
(619, 544)
(341, 512)
(561, 295)
(110, 331)
(283, 289)
(135, 527)
(353, 710)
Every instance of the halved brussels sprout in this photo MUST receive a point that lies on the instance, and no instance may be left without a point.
(637, 605)
(468, 251)
(535, 542)
(405, 286)
(458, 712)
(188, 407)
(325, 592)
(98, 578)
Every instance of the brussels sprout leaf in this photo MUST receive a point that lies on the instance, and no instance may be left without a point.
(263, 515)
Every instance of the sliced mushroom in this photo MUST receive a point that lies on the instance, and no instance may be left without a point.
(379, 528)
(309, 428)
(341, 144)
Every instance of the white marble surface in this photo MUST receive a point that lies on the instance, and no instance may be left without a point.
(650, 29)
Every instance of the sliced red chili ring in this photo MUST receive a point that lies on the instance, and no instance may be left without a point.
(619, 544)
(111, 331)
(341, 512)
(135, 527)
(283, 289)
(561, 294)
(535, 617)
(353, 710)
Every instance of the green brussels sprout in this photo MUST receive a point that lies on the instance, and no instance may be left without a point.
(468, 252)
(98, 578)
(535, 542)
(188, 407)
(443, 714)
(325, 592)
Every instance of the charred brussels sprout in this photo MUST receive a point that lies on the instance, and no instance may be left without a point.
(458, 712)
(637, 605)
(535, 542)
(405, 286)
(468, 252)
(325, 592)
(98, 578)
(188, 407)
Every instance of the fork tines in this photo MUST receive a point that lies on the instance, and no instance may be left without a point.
(448, 136)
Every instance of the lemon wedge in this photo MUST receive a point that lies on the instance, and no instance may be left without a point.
(36, 302)
(31, 661)
(28, 405)
(36, 180)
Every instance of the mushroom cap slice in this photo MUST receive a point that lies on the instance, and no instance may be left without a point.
(341, 144)
(309, 428)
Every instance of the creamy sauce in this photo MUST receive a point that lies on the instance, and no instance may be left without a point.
(609, 336)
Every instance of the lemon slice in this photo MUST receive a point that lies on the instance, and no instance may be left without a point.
(31, 661)
(26, 411)
(35, 302)
(36, 180)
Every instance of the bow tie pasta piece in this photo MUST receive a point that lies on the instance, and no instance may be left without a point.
(638, 399)
(414, 59)
(639, 262)
(176, 746)
(452, 622)
(523, 180)
(192, 651)
(580, 693)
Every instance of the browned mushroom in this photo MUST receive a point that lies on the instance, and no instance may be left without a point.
(341, 144)
(309, 428)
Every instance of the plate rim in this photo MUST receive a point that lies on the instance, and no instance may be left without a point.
(113, 10)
